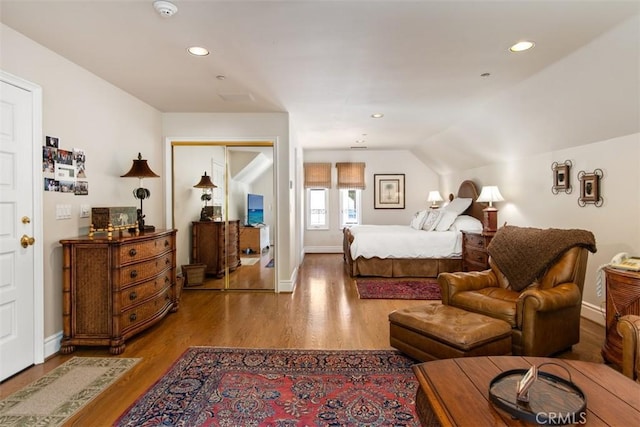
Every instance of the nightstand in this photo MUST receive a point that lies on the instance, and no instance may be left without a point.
(474, 250)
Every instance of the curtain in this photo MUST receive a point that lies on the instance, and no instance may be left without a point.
(317, 175)
(351, 175)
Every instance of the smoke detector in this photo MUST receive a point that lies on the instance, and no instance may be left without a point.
(165, 8)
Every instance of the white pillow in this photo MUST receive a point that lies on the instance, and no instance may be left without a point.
(432, 220)
(418, 220)
(458, 205)
(446, 220)
(466, 223)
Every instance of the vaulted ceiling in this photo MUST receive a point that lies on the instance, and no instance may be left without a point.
(332, 64)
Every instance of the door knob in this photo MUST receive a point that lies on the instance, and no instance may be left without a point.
(26, 241)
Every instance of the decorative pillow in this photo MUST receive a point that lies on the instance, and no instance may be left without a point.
(466, 223)
(418, 220)
(458, 205)
(446, 220)
(432, 220)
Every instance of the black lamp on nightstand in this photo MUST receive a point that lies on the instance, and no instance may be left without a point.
(207, 186)
(140, 169)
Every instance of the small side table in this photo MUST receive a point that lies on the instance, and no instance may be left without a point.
(474, 250)
(623, 297)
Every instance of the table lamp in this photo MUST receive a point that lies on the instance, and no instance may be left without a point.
(490, 194)
(206, 185)
(434, 197)
(140, 169)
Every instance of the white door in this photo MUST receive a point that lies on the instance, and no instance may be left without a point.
(18, 264)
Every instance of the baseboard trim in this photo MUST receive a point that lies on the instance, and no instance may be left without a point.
(287, 286)
(52, 344)
(593, 312)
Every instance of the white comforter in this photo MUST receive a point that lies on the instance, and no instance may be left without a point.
(402, 241)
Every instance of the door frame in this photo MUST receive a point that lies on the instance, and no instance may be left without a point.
(36, 198)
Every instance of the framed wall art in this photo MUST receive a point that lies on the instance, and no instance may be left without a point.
(389, 191)
(590, 191)
(561, 177)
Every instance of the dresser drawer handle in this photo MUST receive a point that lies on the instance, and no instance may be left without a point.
(166, 280)
(133, 274)
(133, 317)
(133, 295)
(167, 261)
(166, 243)
(133, 252)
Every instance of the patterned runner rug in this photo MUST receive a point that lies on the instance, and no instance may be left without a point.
(398, 288)
(54, 398)
(254, 387)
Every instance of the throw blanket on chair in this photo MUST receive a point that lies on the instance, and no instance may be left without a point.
(523, 254)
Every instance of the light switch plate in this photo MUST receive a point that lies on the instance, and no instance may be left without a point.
(84, 211)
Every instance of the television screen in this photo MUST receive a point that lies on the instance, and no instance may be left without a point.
(255, 209)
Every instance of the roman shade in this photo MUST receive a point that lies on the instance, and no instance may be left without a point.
(351, 175)
(317, 175)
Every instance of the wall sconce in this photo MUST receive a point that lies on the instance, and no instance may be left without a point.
(434, 197)
(140, 169)
(490, 194)
(207, 186)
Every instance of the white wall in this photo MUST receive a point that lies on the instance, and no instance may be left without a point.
(85, 112)
(526, 186)
(419, 180)
(251, 127)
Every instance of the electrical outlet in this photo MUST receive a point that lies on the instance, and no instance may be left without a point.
(84, 211)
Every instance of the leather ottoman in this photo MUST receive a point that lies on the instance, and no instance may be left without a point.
(435, 331)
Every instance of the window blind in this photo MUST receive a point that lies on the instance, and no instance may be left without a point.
(317, 175)
(351, 175)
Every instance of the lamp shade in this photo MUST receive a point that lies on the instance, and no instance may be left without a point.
(205, 182)
(490, 194)
(140, 169)
(434, 196)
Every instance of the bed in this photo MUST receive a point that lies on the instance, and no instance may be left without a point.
(403, 251)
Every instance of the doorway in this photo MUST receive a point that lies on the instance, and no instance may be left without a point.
(218, 228)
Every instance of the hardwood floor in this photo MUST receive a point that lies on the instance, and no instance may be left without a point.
(324, 312)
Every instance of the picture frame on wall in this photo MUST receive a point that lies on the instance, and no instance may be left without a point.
(388, 191)
(561, 177)
(590, 191)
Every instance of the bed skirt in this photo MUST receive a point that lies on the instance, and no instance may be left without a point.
(396, 267)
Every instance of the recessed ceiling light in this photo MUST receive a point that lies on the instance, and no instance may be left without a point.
(221, 77)
(198, 51)
(377, 115)
(485, 74)
(522, 46)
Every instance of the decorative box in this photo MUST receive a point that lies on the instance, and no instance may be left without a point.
(113, 218)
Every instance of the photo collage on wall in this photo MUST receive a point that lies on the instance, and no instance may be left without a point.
(64, 170)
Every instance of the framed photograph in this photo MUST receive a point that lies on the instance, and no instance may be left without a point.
(561, 177)
(590, 188)
(388, 191)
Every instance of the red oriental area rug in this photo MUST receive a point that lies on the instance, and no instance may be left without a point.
(403, 288)
(210, 386)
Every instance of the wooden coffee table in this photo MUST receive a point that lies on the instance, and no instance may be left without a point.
(457, 390)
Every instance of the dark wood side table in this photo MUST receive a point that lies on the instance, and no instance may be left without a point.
(622, 297)
(474, 250)
(612, 398)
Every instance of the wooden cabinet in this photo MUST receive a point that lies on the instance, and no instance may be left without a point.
(474, 250)
(208, 245)
(114, 288)
(622, 297)
(256, 239)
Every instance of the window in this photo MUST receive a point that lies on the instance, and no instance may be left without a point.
(350, 207)
(317, 208)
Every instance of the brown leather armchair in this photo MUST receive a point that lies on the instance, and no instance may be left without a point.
(629, 330)
(544, 316)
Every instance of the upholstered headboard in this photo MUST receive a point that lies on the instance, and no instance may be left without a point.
(469, 190)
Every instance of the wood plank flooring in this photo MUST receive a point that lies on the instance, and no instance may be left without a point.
(324, 312)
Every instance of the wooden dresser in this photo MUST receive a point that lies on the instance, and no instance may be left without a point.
(622, 297)
(114, 288)
(256, 239)
(208, 245)
(474, 250)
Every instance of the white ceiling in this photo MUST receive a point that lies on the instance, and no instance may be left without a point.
(329, 64)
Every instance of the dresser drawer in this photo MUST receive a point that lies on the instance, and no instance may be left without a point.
(478, 256)
(145, 270)
(135, 294)
(135, 316)
(143, 250)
